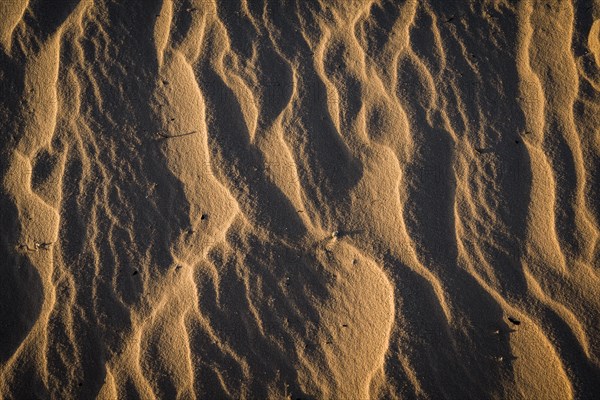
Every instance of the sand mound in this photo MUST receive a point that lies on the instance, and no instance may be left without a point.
(299, 199)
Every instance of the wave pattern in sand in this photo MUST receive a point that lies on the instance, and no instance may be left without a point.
(316, 199)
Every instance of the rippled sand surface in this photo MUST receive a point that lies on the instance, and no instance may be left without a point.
(315, 199)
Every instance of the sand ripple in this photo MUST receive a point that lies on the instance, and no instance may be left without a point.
(299, 199)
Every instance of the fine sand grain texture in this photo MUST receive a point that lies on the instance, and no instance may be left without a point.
(299, 199)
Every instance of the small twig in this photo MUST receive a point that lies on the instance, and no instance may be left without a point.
(43, 246)
(36, 246)
(165, 136)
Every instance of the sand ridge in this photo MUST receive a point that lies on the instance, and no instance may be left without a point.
(299, 199)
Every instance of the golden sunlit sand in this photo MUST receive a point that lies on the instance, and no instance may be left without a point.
(320, 199)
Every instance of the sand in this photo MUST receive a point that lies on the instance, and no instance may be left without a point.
(304, 199)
